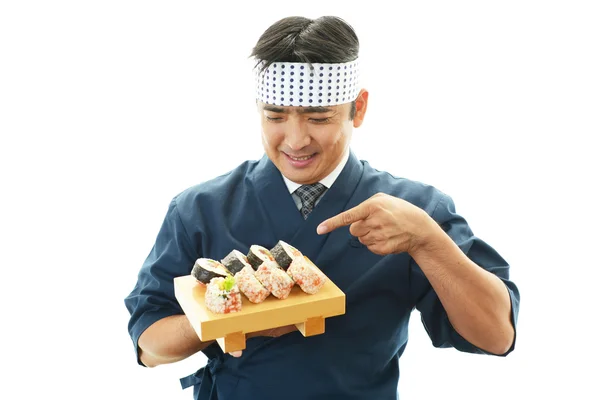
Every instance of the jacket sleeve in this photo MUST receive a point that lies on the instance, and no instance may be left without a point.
(153, 296)
(433, 316)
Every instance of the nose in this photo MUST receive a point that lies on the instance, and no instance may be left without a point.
(296, 138)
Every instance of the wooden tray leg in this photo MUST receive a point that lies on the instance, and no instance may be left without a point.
(312, 326)
(233, 342)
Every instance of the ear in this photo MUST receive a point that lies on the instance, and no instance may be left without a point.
(361, 108)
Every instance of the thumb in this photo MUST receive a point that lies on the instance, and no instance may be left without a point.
(236, 353)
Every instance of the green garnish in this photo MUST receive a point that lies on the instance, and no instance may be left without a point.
(227, 284)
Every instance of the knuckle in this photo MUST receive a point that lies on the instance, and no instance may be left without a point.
(377, 226)
(347, 218)
(375, 207)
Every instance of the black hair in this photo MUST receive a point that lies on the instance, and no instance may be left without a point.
(326, 39)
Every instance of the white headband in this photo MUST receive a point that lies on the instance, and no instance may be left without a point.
(304, 84)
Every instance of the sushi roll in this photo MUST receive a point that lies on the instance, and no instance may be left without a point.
(306, 275)
(237, 264)
(234, 262)
(284, 254)
(223, 296)
(258, 255)
(275, 279)
(205, 269)
(250, 285)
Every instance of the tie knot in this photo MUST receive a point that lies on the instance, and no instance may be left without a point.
(308, 196)
(310, 193)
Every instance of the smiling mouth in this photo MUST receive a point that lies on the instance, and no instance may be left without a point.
(304, 158)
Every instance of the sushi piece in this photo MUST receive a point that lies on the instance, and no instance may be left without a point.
(235, 261)
(223, 296)
(258, 255)
(205, 269)
(250, 285)
(275, 279)
(284, 254)
(310, 278)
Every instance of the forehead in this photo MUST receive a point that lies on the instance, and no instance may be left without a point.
(299, 109)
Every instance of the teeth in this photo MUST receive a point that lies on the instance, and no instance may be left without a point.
(301, 158)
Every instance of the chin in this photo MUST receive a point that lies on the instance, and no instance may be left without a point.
(299, 177)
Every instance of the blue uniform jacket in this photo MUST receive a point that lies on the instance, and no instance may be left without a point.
(357, 356)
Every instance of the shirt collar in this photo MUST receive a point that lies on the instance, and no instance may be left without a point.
(327, 181)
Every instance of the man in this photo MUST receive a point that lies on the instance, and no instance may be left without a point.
(390, 244)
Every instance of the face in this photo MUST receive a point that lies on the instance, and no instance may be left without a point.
(307, 143)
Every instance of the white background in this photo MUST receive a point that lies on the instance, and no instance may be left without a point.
(108, 109)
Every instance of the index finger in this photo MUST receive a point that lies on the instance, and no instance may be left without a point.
(347, 217)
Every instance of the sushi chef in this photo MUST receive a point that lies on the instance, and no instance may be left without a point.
(390, 244)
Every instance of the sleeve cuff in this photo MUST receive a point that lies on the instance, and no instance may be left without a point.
(514, 311)
(514, 307)
(143, 323)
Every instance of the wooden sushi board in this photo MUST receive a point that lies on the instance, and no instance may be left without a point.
(306, 311)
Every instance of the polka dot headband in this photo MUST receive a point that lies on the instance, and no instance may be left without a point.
(304, 84)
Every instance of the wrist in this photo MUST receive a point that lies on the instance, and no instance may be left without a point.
(426, 237)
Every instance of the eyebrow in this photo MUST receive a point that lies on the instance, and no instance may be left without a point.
(301, 110)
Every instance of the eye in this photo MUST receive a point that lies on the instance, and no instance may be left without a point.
(320, 120)
(273, 119)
